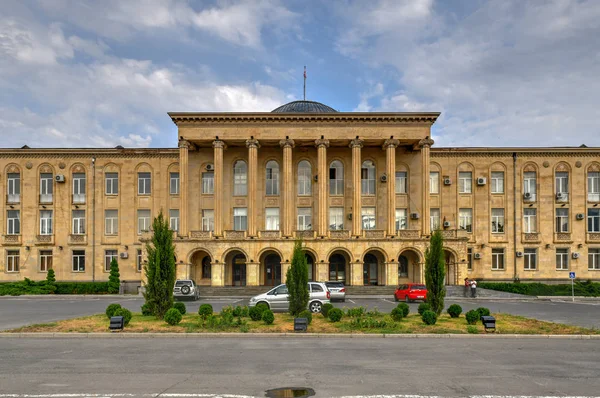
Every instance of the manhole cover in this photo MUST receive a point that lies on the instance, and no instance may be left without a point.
(290, 392)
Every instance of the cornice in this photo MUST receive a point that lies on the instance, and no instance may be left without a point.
(88, 153)
(508, 152)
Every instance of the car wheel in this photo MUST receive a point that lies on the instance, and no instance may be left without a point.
(315, 307)
(343, 300)
(265, 303)
(185, 289)
(396, 298)
(406, 299)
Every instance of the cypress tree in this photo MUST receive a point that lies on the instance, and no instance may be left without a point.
(50, 277)
(435, 272)
(297, 281)
(113, 279)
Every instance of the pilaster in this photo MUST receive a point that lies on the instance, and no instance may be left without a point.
(183, 187)
(425, 144)
(322, 271)
(391, 272)
(390, 162)
(218, 146)
(252, 146)
(217, 273)
(288, 189)
(356, 273)
(252, 274)
(322, 145)
(356, 146)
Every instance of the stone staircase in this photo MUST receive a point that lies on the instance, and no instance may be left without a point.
(458, 292)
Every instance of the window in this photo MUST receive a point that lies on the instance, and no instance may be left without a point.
(401, 182)
(143, 221)
(530, 184)
(562, 259)
(272, 218)
(208, 182)
(593, 259)
(12, 261)
(304, 218)
(208, 220)
(465, 182)
(336, 218)
(562, 220)
(434, 182)
(13, 221)
(465, 219)
(402, 267)
(497, 259)
(78, 260)
(497, 221)
(174, 184)
(529, 220)
(470, 259)
(562, 184)
(368, 217)
(336, 178)
(434, 219)
(272, 178)
(144, 183)
(112, 183)
(401, 219)
(304, 178)
(78, 187)
(530, 256)
(109, 255)
(593, 220)
(46, 187)
(14, 188)
(497, 182)
(138, 260)
(206, 268)
(593, 186)
(240, 218)
(45, 260)
(174, 219)
(46, 222)
(240, 178)
(78, 222)
(367, 178)
(111, 222)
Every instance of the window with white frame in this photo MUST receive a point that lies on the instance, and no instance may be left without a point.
(111, 222)
(78, 217)
(109, 256)
(562, 184)
(530, 184)
(434, 219)
(336, 218)
(593, 217)
(368, 218)
(272, 178)
(12, 261)
(465, 182)
(465, 219)
(45, 260)
(304, 218)
(272, 219)
(46, 222)
(208, 182)
(401, 182)
(367, 178)
(470, 259)
(143, 217)
(46, 187)
(78, 187)
(497, 182)
(593, 259)
(497, 221)
(240, 218)
(78, 260)
(174, 183)
(336, 178)
(562, 259)
(14, 188)
(112, 183)
(240, 178)
(304, 178)
(174, 219)
(530, 259)
(13, 222)
(434, 182)
(138, 260)
(593, 179)
(208, 220)
(562, 220)
(497, 258)
(529, 220)
(401, 219)
(144, 183)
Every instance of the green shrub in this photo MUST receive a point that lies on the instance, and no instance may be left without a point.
(472, 329)
(268, 317)
(146, 310)
(50, 277)
(173, 316)
(306, 314)
(429, 317)
(472, 317)
(125, 313)
(373, 312)
(424, 307)
(179, 306)
(81, 287)
(226, 319)
(371, 323)
(114, 282)
(454, 310)
(335, 314)
(325, 309)
(355, 312)
(262, 307)
(581, 288)
(244, 313)
(405, 309)
(227, 310)
(110, 310)
(397, 314)
(483, 311)
(244, 328)
(45, 287)
(255, 313)
(205, 311)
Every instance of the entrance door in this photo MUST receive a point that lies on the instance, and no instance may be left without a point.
(272, 270)
(337, 268)
(370, 270)
(239, 270)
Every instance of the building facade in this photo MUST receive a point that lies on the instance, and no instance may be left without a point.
(362, 190)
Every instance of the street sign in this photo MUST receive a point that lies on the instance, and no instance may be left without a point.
(572, 275)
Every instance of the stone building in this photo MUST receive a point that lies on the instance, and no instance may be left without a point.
(362, 190)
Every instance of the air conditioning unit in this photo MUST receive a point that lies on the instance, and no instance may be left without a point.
(580, 216)
(481, 180)
(384, 177)
(477, 256)
(447, 181)
(59, 178)
(575, 255)
(446, 224)
(519, 254)
(210, 167)
(527, 196)
(124, 255)
(414, 216)
(561, 196)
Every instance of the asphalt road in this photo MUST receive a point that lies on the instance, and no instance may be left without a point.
(333, 367)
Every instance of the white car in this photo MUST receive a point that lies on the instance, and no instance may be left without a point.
(277, 298)
(186, 288)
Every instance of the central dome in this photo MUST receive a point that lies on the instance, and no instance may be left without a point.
(304, 107)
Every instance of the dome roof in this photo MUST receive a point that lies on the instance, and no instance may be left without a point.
(304, 107)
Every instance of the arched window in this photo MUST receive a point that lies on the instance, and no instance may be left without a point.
(240, 178)
(336, 178)
(272, 178)
(304, 178)
(367, 175)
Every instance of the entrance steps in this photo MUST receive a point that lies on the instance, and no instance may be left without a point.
(459, 291)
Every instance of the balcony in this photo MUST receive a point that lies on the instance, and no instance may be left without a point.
(44, 240)
(78, 199)
(563, 237)
(145, 236)
(269, 234)
(455, 233)
(13, 199)
(374, 234)
(77, 239)
(409, 234)
(201, 235)
(339, 234)
(593, 237)
(237, 235)
(11, 240)
(531, 237)
(305, 234)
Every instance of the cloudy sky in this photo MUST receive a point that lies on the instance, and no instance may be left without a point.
(103, 73)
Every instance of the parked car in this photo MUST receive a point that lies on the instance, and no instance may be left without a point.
(186, 288)
(411, 292)
(337, 289)
(277, 298)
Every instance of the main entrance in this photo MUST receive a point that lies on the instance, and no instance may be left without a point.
(370, 267)
(337, 268)
(272, 270)
(239, 270)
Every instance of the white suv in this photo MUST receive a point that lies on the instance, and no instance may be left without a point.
(186, 288)
(277, 298)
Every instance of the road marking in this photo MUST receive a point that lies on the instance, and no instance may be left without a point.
(352, 301)
(387, 301)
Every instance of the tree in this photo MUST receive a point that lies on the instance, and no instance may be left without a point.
(435, 272)
(113, 280)
(297, 281)
(50, 277)
(160, 269)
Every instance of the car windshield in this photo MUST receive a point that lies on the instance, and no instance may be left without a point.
(334, 284)
(418, 287)
(183, 283)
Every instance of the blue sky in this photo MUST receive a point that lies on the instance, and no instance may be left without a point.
(105, 73)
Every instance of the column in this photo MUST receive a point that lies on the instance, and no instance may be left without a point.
(356, 273)
(390, 167)
(322, 146)
(356, 146)
(288, 188)
(322, 271)
(218, 146)
(425, 144)
(252, 146)
(217, 274)
(391, 275)
(252, 274)
(183, 184)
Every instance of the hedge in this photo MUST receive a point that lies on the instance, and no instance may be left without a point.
(28, 286)
(586, 289)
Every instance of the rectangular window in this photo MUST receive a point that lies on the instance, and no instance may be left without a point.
(13, 222)
(497, 221)
(336, 218)
(45, 260)
(78, 217)
(562, 259)
(497, 182)
(304, 180)
(434, 219)
(529, 220)
(78, 260)
(138, 260)
(368, 218)
(240, 180)
(530, 257)
(593, 259)
(12, 261)
(336, 178)
(562, 184)
(272, 218)
(465, 182)
(562, 220)
(78, 187)
(434, 182)
(530, 184)
(593, 220)
(401, 219)
(240, 218)
(470, 259)
(111, 222)
(497, 259)
(112, 183)
(14, 188)
(208, 183)
(174, 184)
(144, 183)
(109, 255)
(465, 219)
(208, 220)
(46, 222)
(367, 179)
(401, 182)
(174, 219)
(304, 218)
(46, 187)
(593, 186)
(143, 217)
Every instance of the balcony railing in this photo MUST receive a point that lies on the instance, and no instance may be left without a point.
(200, 235)
(269, 234)
(46, 198)
(374, 234)
(77, 239)
(306, 234)
(231, 234)
(593, 237)
(44, 239)
(78, 198)
(8, 240)
(531, 237)
(339, 234)
(409, 234)
(562, 237)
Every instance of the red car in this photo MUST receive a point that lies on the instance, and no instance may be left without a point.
(411, 292)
